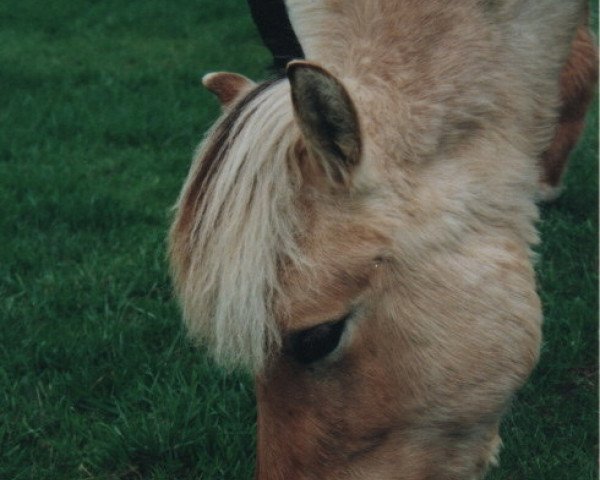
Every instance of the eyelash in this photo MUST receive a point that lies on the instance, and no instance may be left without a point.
(313, 344)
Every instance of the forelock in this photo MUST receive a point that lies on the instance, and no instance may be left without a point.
(235, 226)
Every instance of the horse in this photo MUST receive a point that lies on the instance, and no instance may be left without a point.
(358, 233)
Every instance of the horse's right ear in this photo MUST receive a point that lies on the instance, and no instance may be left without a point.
(227, 86)
(327, 118)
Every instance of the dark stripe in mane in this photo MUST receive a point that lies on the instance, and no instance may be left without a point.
(214, 154)
(273, 23)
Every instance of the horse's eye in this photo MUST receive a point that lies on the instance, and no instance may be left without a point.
(312, 344)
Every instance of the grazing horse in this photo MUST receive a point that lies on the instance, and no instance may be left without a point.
(358, 234)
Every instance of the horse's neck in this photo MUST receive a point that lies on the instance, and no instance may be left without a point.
(354, 38)
(327, 29)
(470, 63)
(351, 36)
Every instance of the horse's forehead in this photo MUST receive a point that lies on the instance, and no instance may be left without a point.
(325, 294)
(341, 260)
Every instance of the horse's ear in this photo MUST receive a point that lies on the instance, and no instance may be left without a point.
(227, 86)
(327, 118)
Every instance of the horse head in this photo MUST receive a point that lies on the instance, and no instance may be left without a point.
(358, 235)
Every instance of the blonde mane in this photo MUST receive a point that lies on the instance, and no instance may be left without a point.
(235, 225)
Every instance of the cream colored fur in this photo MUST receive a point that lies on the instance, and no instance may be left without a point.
(456, 101)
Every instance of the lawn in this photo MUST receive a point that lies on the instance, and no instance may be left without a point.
(101, 110)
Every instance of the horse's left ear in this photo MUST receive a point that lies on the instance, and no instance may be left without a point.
(227, 86)
(327, 118)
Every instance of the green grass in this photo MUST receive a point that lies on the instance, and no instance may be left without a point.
(101, 110)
